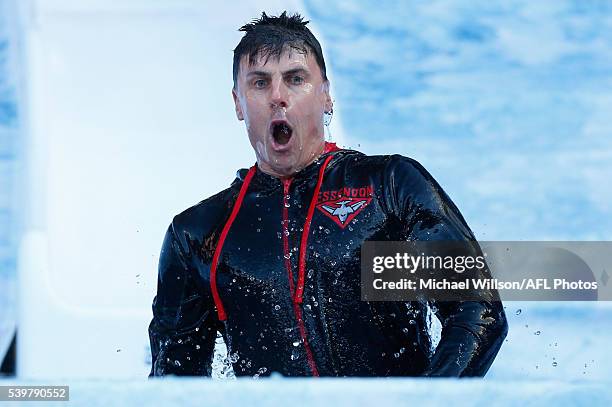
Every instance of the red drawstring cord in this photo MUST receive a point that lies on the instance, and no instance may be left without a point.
(226, 228)
(304, 241)
(303, 245)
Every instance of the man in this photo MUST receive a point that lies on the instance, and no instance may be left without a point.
(273, 261)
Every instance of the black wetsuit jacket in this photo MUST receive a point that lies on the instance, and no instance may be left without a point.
(274, 266)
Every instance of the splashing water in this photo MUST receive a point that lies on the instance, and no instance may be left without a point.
(222, 368)
(434, 327)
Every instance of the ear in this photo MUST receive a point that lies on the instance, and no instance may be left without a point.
(239, 114)
(329, 103)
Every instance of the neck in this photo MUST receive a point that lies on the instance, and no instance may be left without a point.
(321, 149)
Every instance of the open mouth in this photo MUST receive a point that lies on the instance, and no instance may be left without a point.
(281, 132)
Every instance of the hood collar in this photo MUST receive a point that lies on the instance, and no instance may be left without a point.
(264, 179)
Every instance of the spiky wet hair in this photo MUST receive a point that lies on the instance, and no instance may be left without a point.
(267, 37)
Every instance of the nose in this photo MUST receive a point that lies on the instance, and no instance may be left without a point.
(279, 95)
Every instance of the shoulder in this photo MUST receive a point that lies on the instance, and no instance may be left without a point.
(390, 166)
(406, 184)
(415, 195)
(409, 173)
(204, 217)
(410, 182)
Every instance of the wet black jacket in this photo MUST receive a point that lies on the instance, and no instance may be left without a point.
(288, 301)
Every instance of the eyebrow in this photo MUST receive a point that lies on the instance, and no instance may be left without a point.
(267, 74)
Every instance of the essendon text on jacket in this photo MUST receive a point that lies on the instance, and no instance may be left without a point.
(344, 204)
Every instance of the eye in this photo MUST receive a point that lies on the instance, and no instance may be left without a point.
(260, 83)
(297, 80)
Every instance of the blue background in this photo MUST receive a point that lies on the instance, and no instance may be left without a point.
(507, 104)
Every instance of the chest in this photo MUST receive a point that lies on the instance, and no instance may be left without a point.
(276, 230)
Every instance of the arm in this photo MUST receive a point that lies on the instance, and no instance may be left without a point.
(472, 331)
(184, 326)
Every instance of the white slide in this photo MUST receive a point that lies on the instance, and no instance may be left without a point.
(130, 121)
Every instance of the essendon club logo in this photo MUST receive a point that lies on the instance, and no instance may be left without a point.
(344, 204)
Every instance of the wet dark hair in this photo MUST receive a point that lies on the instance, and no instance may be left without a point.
(269, 35)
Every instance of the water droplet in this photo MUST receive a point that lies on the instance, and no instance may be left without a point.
(554, 364)
(537, 332)
(406, 331)
(197, 346)
(310, 273)
(277, 307)
(177, 363)
(518, 311)
(402, 350)
(296, 343)
(233, 358)
(260, 371)
(396, 355)
(307, 307)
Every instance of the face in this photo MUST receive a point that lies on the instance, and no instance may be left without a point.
(282, 102)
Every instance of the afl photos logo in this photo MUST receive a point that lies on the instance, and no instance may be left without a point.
(344, 204)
